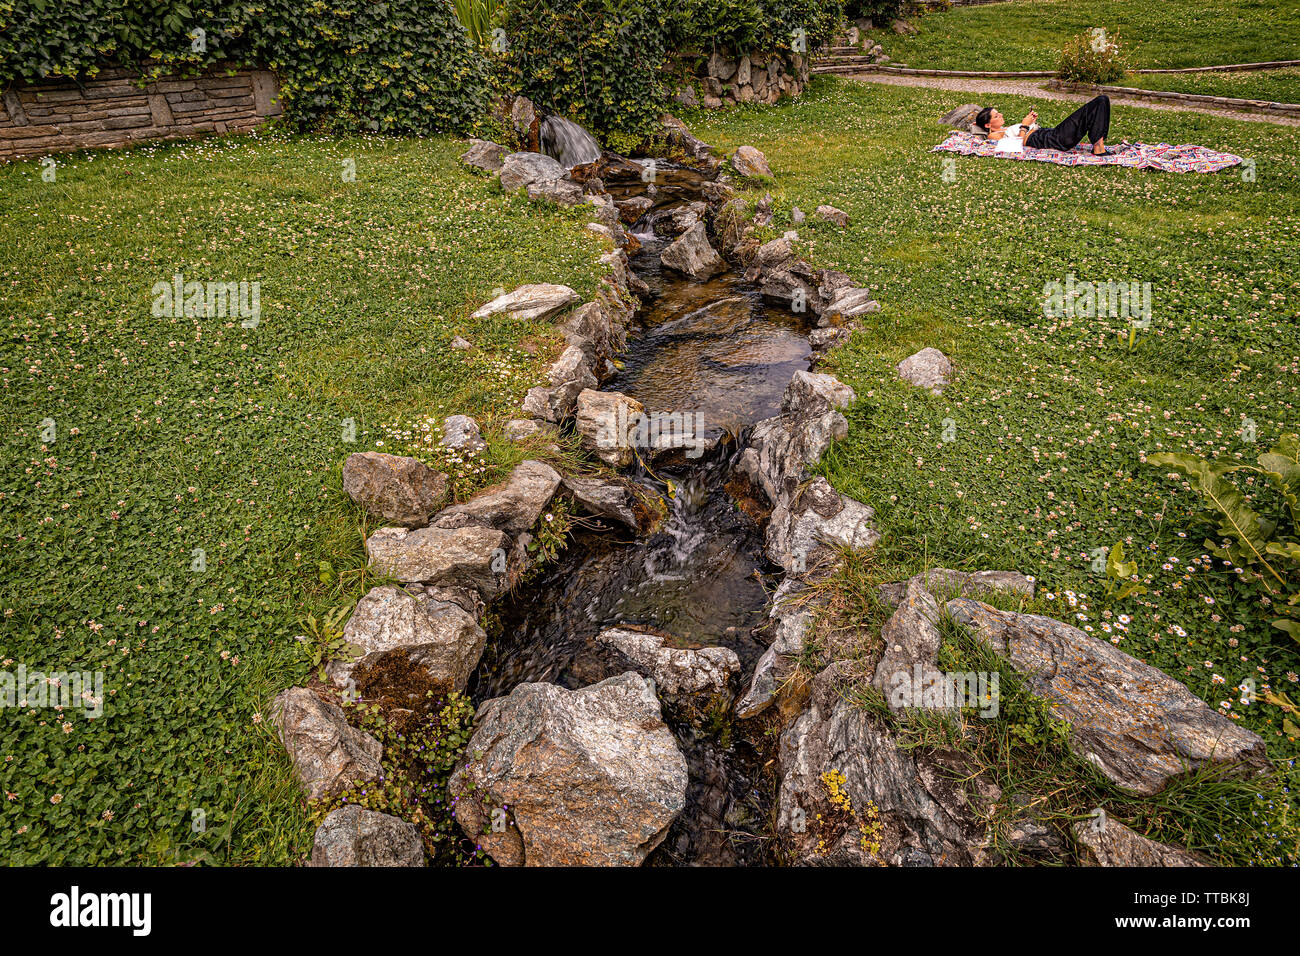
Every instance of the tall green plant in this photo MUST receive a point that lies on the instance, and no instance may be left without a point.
(1268, 544)
(478, 18)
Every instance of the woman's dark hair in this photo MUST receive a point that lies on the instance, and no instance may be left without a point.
(982, 118)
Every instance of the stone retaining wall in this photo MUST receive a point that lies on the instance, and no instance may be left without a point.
(115, 110)
(755, 78)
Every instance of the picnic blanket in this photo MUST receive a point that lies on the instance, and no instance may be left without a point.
(1170, 159)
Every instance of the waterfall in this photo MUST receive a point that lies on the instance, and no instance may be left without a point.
(567, 142)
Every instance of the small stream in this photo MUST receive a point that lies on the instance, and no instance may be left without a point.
(714, 348)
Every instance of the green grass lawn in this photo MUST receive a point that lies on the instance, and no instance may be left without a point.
(1029, 34)
(177, 434)
(1033, 458)
(1278, 86)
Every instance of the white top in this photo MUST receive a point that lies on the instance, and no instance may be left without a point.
(1013, 139)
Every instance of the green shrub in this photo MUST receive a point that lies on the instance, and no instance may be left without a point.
(400, 66)
(1092, 57)
(743, 26)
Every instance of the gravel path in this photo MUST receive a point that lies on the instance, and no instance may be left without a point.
(1031, 88)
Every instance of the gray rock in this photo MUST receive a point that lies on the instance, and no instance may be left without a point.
(962, 116)
(412, 640)
(521, 429)
(692, 255)
(351, 836)
(750, 163)
(462, 432)
(945, 583)
(514, 506)
(469, 557)
(836, 217)
(328, 755)
(630, 210)
(606, 422)
(790, 617)
(825, 340)
(461, 344)
(484, 155)
(562, 192)
(524, 169)
(908, 672)
(539, 301)
(606, 499)
(1107, 842)
(392, 488)
(677, 672)
(847, 305)
(810, 524)
(1137, 725)
(588, 777)
(721, 67)
(928, 368)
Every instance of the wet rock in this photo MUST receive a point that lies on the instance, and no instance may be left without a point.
(792, 288)
(392, 488)
(328, 755)
(606, 422)
(462, 432)
(1107, 842)
(790, 618)
(825, 340)
(469, 557)
(588, 777)
(562, 192)
(782, 448)
(605, 499)
(681, 138)
(484, 155)
(351, 836)
(815, 520)
(630, 210)
(945, 583)
(411, 640)
(677, 672)
(836, 217)
(514, 506)
(847, 305)
(908, 673)
(540, 301)
(749, 163)
(928, 368)
(924, 817)
(1137, 725)
(692, 255)
(524, 169)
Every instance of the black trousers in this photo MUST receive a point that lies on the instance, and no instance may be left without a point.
(1092, 119)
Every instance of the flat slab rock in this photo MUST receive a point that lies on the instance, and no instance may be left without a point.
(945, 583)
(588, 777)
(352, 836)
(514, 506)
(605, 498)
(676, 671)
(394, 488)
(414, 638)
(1137, 725)
(537, 301)
(469, 557)
(328, 754)
(1107, 842)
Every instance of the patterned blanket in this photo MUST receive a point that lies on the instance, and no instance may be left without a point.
(1171, 159)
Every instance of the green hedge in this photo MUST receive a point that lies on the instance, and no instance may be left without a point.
(398, 65)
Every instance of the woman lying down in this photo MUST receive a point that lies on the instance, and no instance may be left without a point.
(1092, 119)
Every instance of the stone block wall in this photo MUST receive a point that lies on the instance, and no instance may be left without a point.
(755, 78)
(115, 110)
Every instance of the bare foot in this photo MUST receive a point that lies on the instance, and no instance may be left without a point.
(1099, 148)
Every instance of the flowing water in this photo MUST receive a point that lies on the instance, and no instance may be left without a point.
(567, 143)
(712, 348)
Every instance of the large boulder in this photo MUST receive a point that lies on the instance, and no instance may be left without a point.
(678, 672)
(562, 192)
(607, 421)
(470, 557)
(524, 169)
(484, 155)
(1107, 842)
(945, 583)
(328, 755)
(411, 639)
(514, 506)
(904, 807)
(352, 836)
(908, 672)
(1134, 723)
(539, 301)
(813, 521)
(393, 488)
(962, 116)
(588, 777)
(614, 500)
(691, 254)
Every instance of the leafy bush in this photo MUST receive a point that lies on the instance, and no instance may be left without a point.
(1266, 543)
(742, 26)
(1092, 57)
(401, 66)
